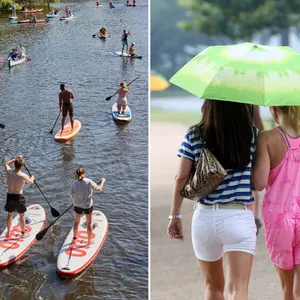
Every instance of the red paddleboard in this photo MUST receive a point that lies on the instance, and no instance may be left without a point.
(74, 258)
(13, 247)
(68, 133)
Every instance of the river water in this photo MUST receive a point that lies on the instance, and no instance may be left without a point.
(66, 52)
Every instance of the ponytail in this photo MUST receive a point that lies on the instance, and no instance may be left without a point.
(291, 116)
(80, 174)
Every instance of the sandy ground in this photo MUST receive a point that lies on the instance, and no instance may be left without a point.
(175, 273)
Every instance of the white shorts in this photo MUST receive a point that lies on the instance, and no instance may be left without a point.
(216, 231)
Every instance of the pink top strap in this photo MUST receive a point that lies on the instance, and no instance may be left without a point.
(290, 142)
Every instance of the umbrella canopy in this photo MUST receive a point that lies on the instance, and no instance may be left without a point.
(158, 82)
(246, 73)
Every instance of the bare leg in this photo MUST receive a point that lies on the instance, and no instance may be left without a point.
(63, 123)
(76, 225)
(22, 225)
(9, 222)
(238, 274)
(72, 122)
(119, 108)
(297, 283)
(122, 50)
(214, 279)
(287, 283)
(124, 108)
(89, 228)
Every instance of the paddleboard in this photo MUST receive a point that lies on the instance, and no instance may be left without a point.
(119, 53)
(74, 258)
(123, 118)
(97, 6)
(68, 133)
(13, 247)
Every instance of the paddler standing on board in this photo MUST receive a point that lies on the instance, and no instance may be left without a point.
(124, 40)
(65, 105)
(15, 200)
(81, 193)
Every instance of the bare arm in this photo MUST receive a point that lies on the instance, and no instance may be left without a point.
(261, 167)
(182, 176)
(60, 103)
(9, 163)
(175, 226)
(28, 179)
(98, 187)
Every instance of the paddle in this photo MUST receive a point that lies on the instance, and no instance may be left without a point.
(108, 98)
(41, 234)
(51, 131)
(2, 126)
(54, 212)
(94, 35)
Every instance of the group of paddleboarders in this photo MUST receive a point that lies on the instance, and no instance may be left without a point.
(81, 194)
(124, 40)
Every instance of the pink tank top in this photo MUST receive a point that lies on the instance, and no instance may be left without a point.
(282, 194)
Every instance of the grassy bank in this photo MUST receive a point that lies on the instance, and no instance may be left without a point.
(186, 118)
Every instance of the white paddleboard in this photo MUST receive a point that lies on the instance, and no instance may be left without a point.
(126, 117)
(13, 247)
(119, 53)
(74, 258)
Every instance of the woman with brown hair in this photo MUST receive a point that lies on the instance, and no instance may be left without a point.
(223, 222)
(81, 193)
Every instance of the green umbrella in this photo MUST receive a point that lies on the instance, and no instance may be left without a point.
(246, 73)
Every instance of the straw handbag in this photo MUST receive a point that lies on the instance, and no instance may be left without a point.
(205, 176)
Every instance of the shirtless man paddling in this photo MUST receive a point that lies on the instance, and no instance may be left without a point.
(15, 200)
(65, 105)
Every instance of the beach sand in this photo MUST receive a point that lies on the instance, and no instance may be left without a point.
(175, 273)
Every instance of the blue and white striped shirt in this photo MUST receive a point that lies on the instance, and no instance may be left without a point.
(236, 186)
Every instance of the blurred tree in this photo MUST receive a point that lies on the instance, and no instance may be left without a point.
(240, 19)
(168, 42)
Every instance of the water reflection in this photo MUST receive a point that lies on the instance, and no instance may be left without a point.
(68, 151)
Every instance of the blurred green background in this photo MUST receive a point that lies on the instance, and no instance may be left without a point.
(181, 29)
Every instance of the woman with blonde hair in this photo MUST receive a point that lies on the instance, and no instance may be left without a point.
(277, 169)
(122, 99)
(81, 193)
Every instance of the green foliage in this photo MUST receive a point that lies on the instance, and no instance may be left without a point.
(240, 19)
(5, 5)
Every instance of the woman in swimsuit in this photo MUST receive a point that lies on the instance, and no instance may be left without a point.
(122, 99)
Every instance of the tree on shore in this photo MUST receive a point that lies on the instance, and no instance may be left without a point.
(238, 19)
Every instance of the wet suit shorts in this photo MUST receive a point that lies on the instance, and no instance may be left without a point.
(67, 107)
(125, 43)
(15, 202)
